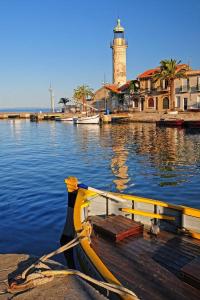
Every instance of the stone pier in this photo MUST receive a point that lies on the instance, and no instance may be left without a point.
(68, 287)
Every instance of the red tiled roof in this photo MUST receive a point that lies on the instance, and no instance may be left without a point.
(151, 72)
(124, 86)
(148, 73)
(113, 88)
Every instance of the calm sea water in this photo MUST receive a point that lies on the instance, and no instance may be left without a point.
(35, 158)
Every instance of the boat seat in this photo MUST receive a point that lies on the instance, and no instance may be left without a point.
(147, 214)
(116, 228)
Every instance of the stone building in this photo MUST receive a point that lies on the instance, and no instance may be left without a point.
(154, 96)
(187, 91)
(106, 98)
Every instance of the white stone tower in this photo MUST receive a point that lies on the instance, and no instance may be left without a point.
(119, 46)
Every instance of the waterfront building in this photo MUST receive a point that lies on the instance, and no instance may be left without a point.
(187, 91)
(154, 96)
(107, 97)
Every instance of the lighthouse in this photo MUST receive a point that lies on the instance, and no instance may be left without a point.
(119, 46)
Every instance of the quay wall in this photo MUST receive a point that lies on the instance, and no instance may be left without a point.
(148, 117)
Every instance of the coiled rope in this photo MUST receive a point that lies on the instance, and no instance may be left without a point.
(38, 277)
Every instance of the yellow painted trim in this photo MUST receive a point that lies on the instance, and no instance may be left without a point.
(85, 204)
(97, 262)
(195, 235)
(193, 212)
(147, 214)
(150, 201)
(189, 211)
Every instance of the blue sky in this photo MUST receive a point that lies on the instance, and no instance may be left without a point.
(67, 42)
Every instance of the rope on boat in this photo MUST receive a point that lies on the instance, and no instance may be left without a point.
(107, 194)
(28, 280)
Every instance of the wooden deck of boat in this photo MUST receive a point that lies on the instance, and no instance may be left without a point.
(150, 267)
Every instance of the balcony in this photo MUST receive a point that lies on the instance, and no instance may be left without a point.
(184, 89)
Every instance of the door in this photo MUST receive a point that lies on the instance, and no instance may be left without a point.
(185, 103)
(142, 104)
(156, 103)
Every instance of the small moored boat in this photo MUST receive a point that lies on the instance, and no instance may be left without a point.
(64, 119)
(151, 247)
(192, 123)
(172, 122)
(87, 120)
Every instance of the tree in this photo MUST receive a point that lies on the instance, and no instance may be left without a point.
(83, 93)
(64, 101)
(134, 87)
(171, 69)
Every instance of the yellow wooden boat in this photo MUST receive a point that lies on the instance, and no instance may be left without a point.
(151, 247)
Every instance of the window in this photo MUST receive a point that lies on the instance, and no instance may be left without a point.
(150, 103)
(164, 84)
(166, 103)
(184, 84)
(149, 84)
(178, 101)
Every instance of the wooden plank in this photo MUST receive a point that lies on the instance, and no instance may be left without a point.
(191, 272)
(134, 266)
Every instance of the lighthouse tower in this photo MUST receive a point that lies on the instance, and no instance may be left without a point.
(119, 46)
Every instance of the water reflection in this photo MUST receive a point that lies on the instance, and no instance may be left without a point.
(119, 157)
(16, 127)
(164, 153)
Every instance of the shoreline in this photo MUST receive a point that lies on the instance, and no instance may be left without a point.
(126, 117)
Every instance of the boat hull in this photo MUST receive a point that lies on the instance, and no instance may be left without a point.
(194, 123)
(170, 123)
(64, 119)
(87, 120)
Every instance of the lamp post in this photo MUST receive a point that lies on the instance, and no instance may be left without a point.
(105, 99)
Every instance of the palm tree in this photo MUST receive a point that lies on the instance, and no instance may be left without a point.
(64, 101)
(170, 69)
(83, 93)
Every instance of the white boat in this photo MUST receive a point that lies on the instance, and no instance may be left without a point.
(64, 119)
(67, 119)
(87, 120)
